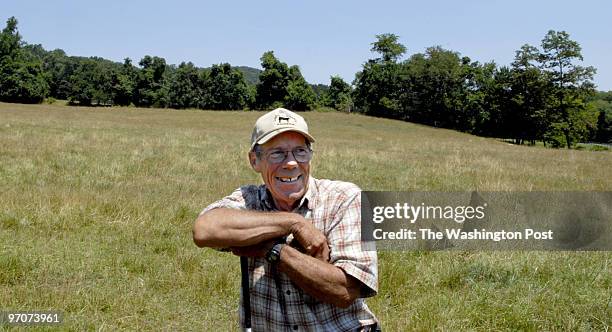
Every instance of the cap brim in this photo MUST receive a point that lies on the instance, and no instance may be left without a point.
(272, 134)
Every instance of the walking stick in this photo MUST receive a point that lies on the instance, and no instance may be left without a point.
(246, 296)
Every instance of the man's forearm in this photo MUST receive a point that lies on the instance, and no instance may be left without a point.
(222, 228)
(319, 279)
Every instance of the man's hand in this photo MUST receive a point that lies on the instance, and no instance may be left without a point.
(256, 250)
(311, 239)
(322, 280)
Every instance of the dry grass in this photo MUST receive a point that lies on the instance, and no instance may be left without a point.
(96, 207)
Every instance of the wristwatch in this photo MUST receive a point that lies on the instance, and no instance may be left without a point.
(273, 255)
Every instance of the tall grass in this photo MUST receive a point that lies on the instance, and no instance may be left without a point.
(96, 208)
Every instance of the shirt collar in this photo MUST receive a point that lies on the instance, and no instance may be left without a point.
(311, 194)
(266, 198)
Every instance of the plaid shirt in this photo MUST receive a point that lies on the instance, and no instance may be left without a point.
(334, 208)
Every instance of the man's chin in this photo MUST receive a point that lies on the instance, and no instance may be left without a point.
(297, 195)
(290, 198)
(289, 192)
(294, 195)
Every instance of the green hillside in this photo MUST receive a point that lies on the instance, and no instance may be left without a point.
(97, 205)
(251, 75)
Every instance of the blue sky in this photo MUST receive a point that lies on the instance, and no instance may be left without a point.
(323, 37)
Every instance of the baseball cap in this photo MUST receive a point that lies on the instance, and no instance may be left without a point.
(278, 121)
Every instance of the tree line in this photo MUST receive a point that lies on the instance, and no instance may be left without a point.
(544, 95)
(29, 74)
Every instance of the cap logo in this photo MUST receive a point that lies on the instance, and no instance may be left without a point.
(284, 119)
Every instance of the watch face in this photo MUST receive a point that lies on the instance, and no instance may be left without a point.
(274, 254)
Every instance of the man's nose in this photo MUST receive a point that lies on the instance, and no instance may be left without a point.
(290, 161)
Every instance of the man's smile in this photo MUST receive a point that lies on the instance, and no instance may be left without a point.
(287, 179)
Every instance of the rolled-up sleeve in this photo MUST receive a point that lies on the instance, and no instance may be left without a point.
(347, 251)
(233, 201)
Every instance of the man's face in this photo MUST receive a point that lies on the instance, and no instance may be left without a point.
(286, 180)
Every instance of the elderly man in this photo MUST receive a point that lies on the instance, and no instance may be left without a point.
(308, 268)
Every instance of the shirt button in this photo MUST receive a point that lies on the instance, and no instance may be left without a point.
(288, 292)
(295, 327)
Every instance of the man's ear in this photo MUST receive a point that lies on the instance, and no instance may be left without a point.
(255, 163)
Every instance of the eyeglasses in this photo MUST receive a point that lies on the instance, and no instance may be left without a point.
(300, 154)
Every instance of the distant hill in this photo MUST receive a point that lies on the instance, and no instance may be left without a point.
(319, 89)
(251, 75)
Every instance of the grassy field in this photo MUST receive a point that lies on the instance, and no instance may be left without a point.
(97, 204)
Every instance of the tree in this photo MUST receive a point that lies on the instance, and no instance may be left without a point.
(477, 104)
(604, 127)
(527, 116)
(378, 84)
(281, 85)
(185, 87)
(498, 103)
(388, 46)
(10, 39)
(602, 103)
(21, 72)
(81, 84)
(58, 68)
(300, 95)
(338, 95)
(377, 89)
(151, 88)
(225, 88)
(273, 81)
(123, 80)
(571, 84)
(435, 89)
(91, 82)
